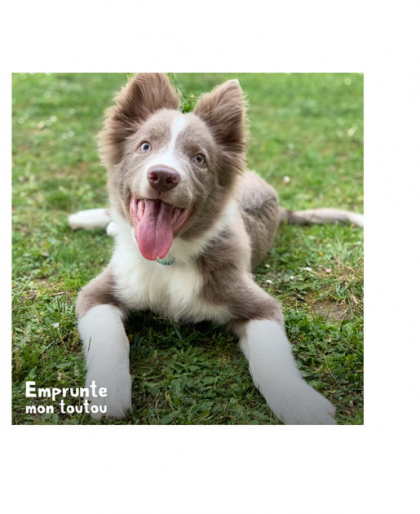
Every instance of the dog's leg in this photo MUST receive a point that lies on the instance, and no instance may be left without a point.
(323, 215)
(265, 344)
(105, 344)
(90, 219)
(273, 369)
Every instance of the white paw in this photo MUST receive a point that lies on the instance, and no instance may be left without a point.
(90, 219)
(107, 359)
(274, 372)
(357, 219)
(111, 229)
(118, 398)
(300, 404)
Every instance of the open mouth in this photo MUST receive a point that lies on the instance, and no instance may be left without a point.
(155, 224)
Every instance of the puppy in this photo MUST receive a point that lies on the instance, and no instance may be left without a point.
(190, 224)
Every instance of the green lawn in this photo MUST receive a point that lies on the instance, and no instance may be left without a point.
(304, 127)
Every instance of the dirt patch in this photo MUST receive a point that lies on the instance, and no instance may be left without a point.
(333, 311)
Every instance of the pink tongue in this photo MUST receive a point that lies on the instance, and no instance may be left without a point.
(154, 232)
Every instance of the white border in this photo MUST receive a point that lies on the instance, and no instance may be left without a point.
(244, 469)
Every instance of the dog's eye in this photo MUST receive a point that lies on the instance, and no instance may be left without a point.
(145, 146)
(199, 158)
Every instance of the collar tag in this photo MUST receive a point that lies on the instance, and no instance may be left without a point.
(166, 261)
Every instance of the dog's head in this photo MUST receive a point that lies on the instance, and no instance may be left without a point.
(170, 174)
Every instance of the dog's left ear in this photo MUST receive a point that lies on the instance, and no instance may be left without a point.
(224, 111)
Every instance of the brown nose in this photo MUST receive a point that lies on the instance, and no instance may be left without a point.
(162, 178)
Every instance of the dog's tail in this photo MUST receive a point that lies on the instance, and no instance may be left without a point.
(91, 219)
(321, 216)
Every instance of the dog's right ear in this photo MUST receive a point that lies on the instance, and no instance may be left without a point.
(145, 94)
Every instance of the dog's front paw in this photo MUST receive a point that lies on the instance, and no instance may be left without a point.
(118, 394)
(304, 406)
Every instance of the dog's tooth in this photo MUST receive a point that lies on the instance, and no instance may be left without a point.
(133, 206)
(175, 214)
(140, 208)
(179, 214)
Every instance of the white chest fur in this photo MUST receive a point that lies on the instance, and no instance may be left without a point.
(174, 290)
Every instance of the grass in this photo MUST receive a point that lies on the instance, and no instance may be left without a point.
(306, 140)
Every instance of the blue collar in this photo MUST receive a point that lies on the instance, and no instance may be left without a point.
(166, 262)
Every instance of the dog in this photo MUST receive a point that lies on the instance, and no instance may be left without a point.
(190, 224)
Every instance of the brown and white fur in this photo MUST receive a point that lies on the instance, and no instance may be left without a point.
(224, 219)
